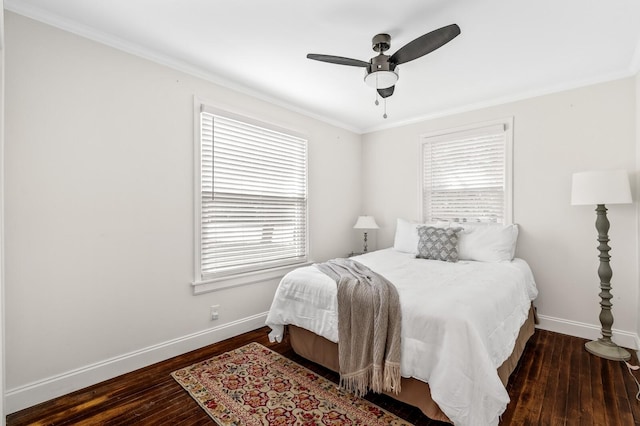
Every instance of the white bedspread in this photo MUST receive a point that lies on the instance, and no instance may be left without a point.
(460, 322)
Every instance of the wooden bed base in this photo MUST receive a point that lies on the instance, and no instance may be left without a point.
(414, 392)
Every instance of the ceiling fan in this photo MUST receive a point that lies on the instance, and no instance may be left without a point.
(381, 70)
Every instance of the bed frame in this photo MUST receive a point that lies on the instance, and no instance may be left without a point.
(414, 392)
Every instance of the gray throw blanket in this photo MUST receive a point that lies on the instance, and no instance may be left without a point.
(368, 328)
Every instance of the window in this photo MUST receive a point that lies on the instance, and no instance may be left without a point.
(467, 174)
(252, 196)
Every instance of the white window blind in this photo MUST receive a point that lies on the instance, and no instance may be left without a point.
(465, 176)
(253, 197)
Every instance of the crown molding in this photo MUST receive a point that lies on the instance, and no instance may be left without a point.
(126, 46)
(549, 90)
(85, 31)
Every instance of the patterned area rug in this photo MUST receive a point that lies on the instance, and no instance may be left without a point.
(253, 385)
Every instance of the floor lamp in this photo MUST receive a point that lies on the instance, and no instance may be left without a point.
(600, 188)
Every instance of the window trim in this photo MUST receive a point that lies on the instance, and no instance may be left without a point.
(507, 122)
(204, 285)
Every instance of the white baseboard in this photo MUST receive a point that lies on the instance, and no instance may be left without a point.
(623, 338)
(34, 393)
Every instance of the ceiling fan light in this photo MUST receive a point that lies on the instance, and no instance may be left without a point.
(381, 79)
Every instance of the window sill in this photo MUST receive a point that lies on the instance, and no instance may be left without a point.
(215, 284)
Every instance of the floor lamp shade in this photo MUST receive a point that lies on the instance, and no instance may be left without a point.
(600, 188)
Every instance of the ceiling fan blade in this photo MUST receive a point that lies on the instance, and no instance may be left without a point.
(424, 44)
(338, 60)
(386, 92)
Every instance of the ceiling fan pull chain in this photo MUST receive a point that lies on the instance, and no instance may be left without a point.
(376, 102)
(385, 108)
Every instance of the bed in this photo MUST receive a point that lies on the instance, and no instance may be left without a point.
(464, 323)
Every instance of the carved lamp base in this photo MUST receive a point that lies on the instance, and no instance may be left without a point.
(607, 349)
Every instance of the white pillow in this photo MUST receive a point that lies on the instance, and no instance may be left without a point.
(487, 242)
(406, 239)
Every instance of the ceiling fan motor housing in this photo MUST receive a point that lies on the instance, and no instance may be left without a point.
(381, 42)
(380, 63)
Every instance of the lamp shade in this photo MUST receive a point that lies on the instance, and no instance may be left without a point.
(601, 187)
(365, 222)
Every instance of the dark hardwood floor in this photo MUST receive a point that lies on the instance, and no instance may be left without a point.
(556, 383)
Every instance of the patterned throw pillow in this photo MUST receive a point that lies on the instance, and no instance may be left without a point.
(438, 243)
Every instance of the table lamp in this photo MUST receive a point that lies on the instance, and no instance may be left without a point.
(366, 223)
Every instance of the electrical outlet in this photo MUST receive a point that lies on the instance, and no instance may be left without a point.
(214, 312)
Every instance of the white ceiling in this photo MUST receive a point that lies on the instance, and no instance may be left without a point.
(507, 49)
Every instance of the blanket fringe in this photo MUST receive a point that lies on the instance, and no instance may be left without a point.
(358, 382)
(373, 378)
(392, 377)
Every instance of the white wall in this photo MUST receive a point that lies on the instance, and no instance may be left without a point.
(554, 136)
(99, 211)
(2, 363)
(637, 182)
